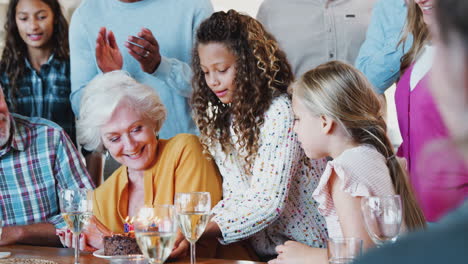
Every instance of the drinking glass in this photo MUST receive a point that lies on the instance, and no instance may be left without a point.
(193, 210)
(2, 254)
(155, 231)
(382, 217)
(343, 250)
(76, 206)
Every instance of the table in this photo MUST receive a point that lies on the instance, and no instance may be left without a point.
(65, 256)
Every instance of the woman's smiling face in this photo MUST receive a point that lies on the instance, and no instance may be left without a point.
(130, 138)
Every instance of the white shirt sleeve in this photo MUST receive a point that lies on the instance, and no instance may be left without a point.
(251, 203)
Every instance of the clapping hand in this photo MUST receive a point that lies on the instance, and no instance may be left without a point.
(145, 49)
(108, 55)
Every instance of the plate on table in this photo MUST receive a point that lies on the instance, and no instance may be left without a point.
(100, 254)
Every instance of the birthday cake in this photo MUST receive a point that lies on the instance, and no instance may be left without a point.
(121, 244)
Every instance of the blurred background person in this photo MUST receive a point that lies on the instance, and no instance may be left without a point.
(435, 168)
(312, 32)
(380, 54)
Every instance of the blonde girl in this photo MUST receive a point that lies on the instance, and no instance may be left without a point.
(338, 115)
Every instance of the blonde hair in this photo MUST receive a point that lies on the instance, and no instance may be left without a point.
(102, 96)
(416, 27)
(341, 92)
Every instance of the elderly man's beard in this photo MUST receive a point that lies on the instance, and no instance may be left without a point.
(4, 129)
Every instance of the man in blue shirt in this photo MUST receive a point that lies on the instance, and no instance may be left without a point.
(379, 56)
(152, 40)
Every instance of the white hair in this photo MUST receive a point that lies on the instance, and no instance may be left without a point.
(102, 96)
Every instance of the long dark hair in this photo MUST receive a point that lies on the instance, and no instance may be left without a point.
(12, 63)
(262, 74)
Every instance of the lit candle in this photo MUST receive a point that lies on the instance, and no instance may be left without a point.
(126, 225)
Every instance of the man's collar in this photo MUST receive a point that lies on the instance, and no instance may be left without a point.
(19, 135)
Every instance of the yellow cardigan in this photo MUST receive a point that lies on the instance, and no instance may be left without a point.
(180, 167)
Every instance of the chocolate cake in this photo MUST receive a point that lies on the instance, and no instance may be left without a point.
(120, 244)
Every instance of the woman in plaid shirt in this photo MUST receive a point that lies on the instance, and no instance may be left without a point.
(35, 65)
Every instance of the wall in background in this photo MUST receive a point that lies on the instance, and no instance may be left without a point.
(248, 6)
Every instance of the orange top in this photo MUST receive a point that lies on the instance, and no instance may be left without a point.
(180, 167)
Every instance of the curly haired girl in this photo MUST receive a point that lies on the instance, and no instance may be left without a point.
(246, 122)
(35, 67)
(338, 115)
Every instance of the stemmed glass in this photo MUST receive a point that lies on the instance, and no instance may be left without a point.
(193, 210)
(77, 208)
(155, 231)
(383, 217)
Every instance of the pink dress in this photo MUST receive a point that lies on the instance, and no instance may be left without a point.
(436, 170)
(363, 172)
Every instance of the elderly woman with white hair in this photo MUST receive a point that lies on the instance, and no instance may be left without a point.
(123, 117)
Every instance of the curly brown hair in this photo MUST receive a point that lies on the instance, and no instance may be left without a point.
(12, 63)
(262, 74)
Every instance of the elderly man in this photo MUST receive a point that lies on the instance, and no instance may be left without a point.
(36, 158)
(312, 32)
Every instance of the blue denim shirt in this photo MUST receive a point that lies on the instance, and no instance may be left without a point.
(379, 57)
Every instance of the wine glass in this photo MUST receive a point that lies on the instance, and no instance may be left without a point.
(155, 232)
(383, 217)
(76, 206)
(193, 210)
(343, 250)
(3, 254)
